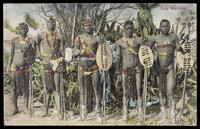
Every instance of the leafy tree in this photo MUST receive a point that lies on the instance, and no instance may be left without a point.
(31, 21)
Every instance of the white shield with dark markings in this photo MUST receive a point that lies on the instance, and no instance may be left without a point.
(104, 57)
(145, 56)
(185, 61)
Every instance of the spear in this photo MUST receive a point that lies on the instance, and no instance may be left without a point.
(62, 97)
(146, 59)
(31, 92)
(104, 62)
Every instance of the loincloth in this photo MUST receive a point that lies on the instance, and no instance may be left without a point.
(163, 79)
(49, 76)
(49, 80)
(89, 70)
(131, 81)
(21, 80)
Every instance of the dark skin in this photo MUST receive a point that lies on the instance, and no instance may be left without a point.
(58, 48)
(93, 42)
(16, 62)
(128, 60)
(166, 61)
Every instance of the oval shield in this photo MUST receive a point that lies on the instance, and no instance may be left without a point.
(29, 55)
(185, 61)
(145, 56)
(104, 57)
(58, 63)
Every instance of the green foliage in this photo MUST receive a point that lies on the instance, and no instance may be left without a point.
(191, 118)
(147, 6)
(31, 21)
(112, 34)
(6, 77)
(16, 31)
(144, 23)
(37, 82)
(71, 89)
(8, 26)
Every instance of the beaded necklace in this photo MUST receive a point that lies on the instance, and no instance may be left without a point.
(127, 40)
(23, 41)
(52, 37)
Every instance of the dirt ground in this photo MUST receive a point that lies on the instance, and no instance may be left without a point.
(25, 119)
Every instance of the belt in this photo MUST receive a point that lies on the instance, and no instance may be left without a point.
(46, 54)
(86, 58)
(164, 54)
(18, 50)
(89, 70)
(129, 71)
(20, 71)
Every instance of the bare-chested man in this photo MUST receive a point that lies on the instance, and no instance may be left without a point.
(86, 46)
(18, 68)
(128, 67)
(51, 42)
(165, 45)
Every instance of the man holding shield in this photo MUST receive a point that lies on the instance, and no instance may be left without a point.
(21, 56)
(128, 67)
(85, 48)
(165, 45)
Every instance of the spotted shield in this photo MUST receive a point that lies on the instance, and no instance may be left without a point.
(145, 56)
(185, 61)
(104, 57)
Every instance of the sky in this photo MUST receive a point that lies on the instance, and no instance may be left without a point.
(13, 12)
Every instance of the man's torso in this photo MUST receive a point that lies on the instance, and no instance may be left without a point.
(129, 57)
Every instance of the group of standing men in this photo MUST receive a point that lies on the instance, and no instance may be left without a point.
(49, 47)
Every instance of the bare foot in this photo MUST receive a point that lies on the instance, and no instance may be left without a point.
(14, 112)
(26, 111)
(45, 114)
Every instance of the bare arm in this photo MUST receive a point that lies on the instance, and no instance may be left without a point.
(38, 41)
(11, 55)
(152, 42)
(139, 41)
(76, 50)
(178, 45)
(118, 55)
(62, 43)
(101, 41)
(33, 43)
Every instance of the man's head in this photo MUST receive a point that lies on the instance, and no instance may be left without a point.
(51, 23)
(129, 28)
(23, 28)
(88, 26)
(165, 26)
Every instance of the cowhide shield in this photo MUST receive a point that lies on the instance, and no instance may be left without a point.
(104, 57)
(29, 55)
(145, 56)
(58, 63)
(185, 61)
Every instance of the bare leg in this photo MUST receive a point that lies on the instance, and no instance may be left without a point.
(162, 97)
(125, 97)
(170, 93)
(139, 94)
(26, 92)
(14, 95)
(57, 94)
(82, 94)
(46, 96)
(95, 79)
